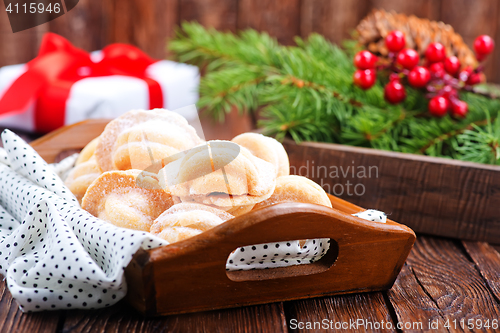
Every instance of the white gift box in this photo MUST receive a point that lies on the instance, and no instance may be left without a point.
(111, 96)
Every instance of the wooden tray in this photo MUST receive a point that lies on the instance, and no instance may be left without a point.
(190, 275)
(431, 195)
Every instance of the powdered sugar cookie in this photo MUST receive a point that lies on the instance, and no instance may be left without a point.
(138, 138)
(266, 148)
(226, 175)
(87, 152)
(296, 189)
(81, 176)
(186, 220)
(129, 199)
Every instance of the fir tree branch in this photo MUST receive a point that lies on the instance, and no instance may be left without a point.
(306, 92)
(290, 79)
(240, 86)
(480, 144)
(446, 136)
(377, 135)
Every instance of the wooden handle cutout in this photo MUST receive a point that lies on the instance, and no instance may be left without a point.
(320, 266)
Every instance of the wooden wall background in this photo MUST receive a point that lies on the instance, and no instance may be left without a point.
(148, 24)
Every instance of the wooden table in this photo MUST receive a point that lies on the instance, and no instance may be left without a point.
(444, 281)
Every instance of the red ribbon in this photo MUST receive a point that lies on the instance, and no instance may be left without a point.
(58, 66)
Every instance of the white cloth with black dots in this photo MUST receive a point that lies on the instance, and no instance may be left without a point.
(54, 255)
(372, 215)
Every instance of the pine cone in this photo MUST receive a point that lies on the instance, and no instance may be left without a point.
(419, 34)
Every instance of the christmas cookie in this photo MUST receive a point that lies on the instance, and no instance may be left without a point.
(87, 152)
(239, 210)
(138, 138)
(186, 220)
(296, 189)
(129, 199)
(266, 148)
(81, 176)
(85, 171)
(225, 175)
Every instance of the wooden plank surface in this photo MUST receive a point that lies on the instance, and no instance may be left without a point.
(12, 319)
(18, 47)
(455, 12)
(218, 14)
(431, 195)
(331, 18)
(495, 75)
(279, 18)
(412, 304)
(430, 9)
(339, 312)
(448, 289)
(146, 24)
(233, 125)
(122, 318)
(439, 282)
(487, 261)
(84, 25)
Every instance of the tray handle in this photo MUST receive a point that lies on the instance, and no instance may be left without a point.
(365, 256)
(70, 137)
(287, 221)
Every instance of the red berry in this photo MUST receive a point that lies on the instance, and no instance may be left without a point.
(483, 45)
(464, 75)
(459, 108)
(394, 92)
(435, 52)
(365, 79)
(449, 91)
(474, 78)
(395, 41)
(452, 65)
(481, 57)
(365, 60)
(394, 77)
(438, 106)
(408, 58)
(419, 77)
(437, 69)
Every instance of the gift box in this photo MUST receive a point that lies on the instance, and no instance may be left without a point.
(64, 85)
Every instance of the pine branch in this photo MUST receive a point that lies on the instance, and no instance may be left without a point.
(306, 92)
(480, 144)
(301, 83)
(446, 136)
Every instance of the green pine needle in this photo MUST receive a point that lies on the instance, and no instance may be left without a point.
(306, 92)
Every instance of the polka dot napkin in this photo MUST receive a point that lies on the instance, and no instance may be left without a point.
(55, 255)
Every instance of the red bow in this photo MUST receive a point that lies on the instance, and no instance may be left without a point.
(59, 64)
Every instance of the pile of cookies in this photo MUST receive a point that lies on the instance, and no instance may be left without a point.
(150, 171)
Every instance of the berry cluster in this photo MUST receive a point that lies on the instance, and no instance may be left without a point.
(440, 75)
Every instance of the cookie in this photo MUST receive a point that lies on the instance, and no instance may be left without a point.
(224, 175)
(266, 148)
(185, 220)
(296, 189)
(129, 199)
(81, 176)
(138, 138)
